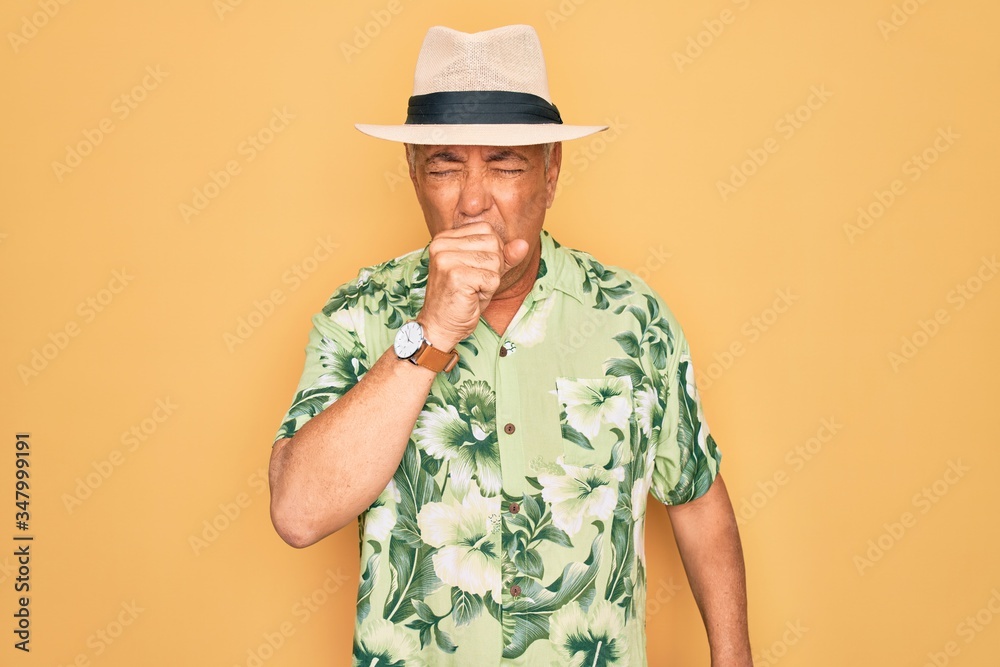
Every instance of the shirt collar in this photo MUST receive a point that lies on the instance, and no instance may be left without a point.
(557, 270)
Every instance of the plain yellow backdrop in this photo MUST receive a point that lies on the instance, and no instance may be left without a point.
(810, 186)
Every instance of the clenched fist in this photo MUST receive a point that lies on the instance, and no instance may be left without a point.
(464, 271)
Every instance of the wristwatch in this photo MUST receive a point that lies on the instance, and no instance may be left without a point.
(411, 344)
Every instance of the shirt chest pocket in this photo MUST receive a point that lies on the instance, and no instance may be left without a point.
(595, 420)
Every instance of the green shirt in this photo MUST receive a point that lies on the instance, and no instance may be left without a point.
(512, 530)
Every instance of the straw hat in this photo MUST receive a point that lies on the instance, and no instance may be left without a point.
(484, 88)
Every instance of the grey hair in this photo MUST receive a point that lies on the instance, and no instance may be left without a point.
(411, 155)
(547, 151)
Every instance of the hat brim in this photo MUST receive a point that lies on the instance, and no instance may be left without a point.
(480, 135)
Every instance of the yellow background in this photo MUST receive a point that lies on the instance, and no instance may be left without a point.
(649, 201)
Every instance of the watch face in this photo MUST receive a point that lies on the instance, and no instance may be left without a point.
(408, 339)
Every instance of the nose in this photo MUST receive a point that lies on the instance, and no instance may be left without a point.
(475, 197)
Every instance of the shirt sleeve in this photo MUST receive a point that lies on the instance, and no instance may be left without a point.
(335, 360)
(687, 458)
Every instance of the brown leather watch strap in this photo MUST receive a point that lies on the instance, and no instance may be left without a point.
(437, 360)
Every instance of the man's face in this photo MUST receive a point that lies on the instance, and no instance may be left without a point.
(506, 186)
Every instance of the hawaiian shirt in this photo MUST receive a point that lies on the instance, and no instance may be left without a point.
(512, 531)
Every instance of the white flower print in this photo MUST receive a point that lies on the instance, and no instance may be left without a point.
(648, 412)
(583, 492)
(380, 642)
(463, 533)
(591, 402)
(531, 329)
(594, 637)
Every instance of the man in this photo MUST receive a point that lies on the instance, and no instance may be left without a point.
(495, 408)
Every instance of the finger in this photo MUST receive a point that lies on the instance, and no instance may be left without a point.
(479, 260)
(483, 243)
(482, 228)
(479, 227)
(488, 240)
(514, 253)
(482, 283)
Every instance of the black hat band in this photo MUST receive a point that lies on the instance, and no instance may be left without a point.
(480, 107)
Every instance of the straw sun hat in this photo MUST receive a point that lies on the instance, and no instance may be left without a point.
(484, 88)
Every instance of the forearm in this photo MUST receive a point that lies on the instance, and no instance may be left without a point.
(339, 461)
(709, 544)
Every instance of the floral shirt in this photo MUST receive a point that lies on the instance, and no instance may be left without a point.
(512, 531)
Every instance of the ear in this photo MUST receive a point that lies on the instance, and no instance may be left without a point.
(552, 175)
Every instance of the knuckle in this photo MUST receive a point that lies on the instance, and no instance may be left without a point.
(445, 260)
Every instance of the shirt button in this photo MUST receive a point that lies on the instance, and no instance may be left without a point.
(514, 508)
(515, 590)
(503, 352)
(508, 428)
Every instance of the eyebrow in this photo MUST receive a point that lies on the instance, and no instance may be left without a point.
(443, 156)
(495, 156)
(505, 154)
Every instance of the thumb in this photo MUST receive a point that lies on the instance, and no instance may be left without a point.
(514, 253)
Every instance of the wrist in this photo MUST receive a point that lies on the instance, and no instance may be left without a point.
(437, 337)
